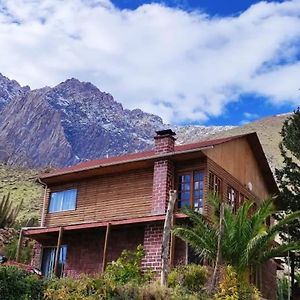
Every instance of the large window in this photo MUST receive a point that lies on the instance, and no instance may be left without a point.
(63, 200)
(190, 189)
(215, 184)
(49, 258)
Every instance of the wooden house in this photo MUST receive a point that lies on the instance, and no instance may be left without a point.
(94, 210)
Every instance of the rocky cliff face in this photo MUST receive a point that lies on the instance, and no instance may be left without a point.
(72, 122)
(9, 89)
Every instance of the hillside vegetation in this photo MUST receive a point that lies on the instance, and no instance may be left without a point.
(20, 183)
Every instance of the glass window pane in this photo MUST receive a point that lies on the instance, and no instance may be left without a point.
(198, 203)
(185, 203)
(185, 196)
(198, 176)
(64, 200)
(56, 201)
(198, 194)
(186, 187)
(49, 259)
(69, 199)
(187, 178)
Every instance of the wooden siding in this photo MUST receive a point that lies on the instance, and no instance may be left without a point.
(229, 180)
(119, 196)
(237, 158)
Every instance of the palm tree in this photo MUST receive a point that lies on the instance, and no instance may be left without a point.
(246, 241)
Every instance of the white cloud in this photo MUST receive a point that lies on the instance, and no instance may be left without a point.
(181, 65)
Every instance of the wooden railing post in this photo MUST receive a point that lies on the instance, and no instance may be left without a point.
(57, 253)
(104, 259)
(19, 247)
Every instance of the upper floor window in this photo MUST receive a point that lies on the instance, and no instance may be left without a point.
(232, 198)
(63, 200)
(190, 189)
(215, 184)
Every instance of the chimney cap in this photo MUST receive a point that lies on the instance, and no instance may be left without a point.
(165, 132)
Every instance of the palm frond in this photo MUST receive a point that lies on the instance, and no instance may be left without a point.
(280, 251)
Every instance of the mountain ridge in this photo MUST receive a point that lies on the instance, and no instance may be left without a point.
(72, 122)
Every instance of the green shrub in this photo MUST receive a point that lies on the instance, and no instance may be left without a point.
(283, 287)
(190, 278)
(16, 284)
(127, 268)
(151, 291)
(10, 250)
(87, 288)
(231, 289)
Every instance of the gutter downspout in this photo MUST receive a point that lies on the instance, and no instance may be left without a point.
(44, 202)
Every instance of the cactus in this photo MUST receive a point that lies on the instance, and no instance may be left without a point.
(8, 213)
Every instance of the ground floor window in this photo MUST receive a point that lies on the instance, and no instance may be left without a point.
(49, 258)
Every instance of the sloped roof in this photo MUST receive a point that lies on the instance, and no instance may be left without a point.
(93, 164)
(90, 167)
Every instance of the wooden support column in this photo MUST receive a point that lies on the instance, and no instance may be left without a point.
(172, 244)
(59, 241)
(19, 247)
(104, 259)
(166, 238)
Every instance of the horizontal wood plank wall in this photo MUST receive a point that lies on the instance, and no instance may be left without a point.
(119, 196)
(237, 158)
(228, 179)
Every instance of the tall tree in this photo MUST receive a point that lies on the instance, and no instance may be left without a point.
(288, 176)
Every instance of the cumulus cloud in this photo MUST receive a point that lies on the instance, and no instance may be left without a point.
(184, 66)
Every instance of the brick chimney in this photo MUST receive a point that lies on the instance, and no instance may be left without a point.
(162, 183)
(164, 141)
(163, 171)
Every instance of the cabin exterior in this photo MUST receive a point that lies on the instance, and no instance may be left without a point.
(94, 210)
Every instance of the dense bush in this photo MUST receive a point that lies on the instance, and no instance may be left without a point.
(86, 288)
(231, 289)
(127, 268)
(16, 284)
(190, 278)
(10, 250)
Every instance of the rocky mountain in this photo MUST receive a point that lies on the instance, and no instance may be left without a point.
(9, 89)
(71, 122)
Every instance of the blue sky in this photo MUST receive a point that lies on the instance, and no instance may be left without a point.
(189, 61)
(212, 7)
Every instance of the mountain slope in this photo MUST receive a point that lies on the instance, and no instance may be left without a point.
(72, 122)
